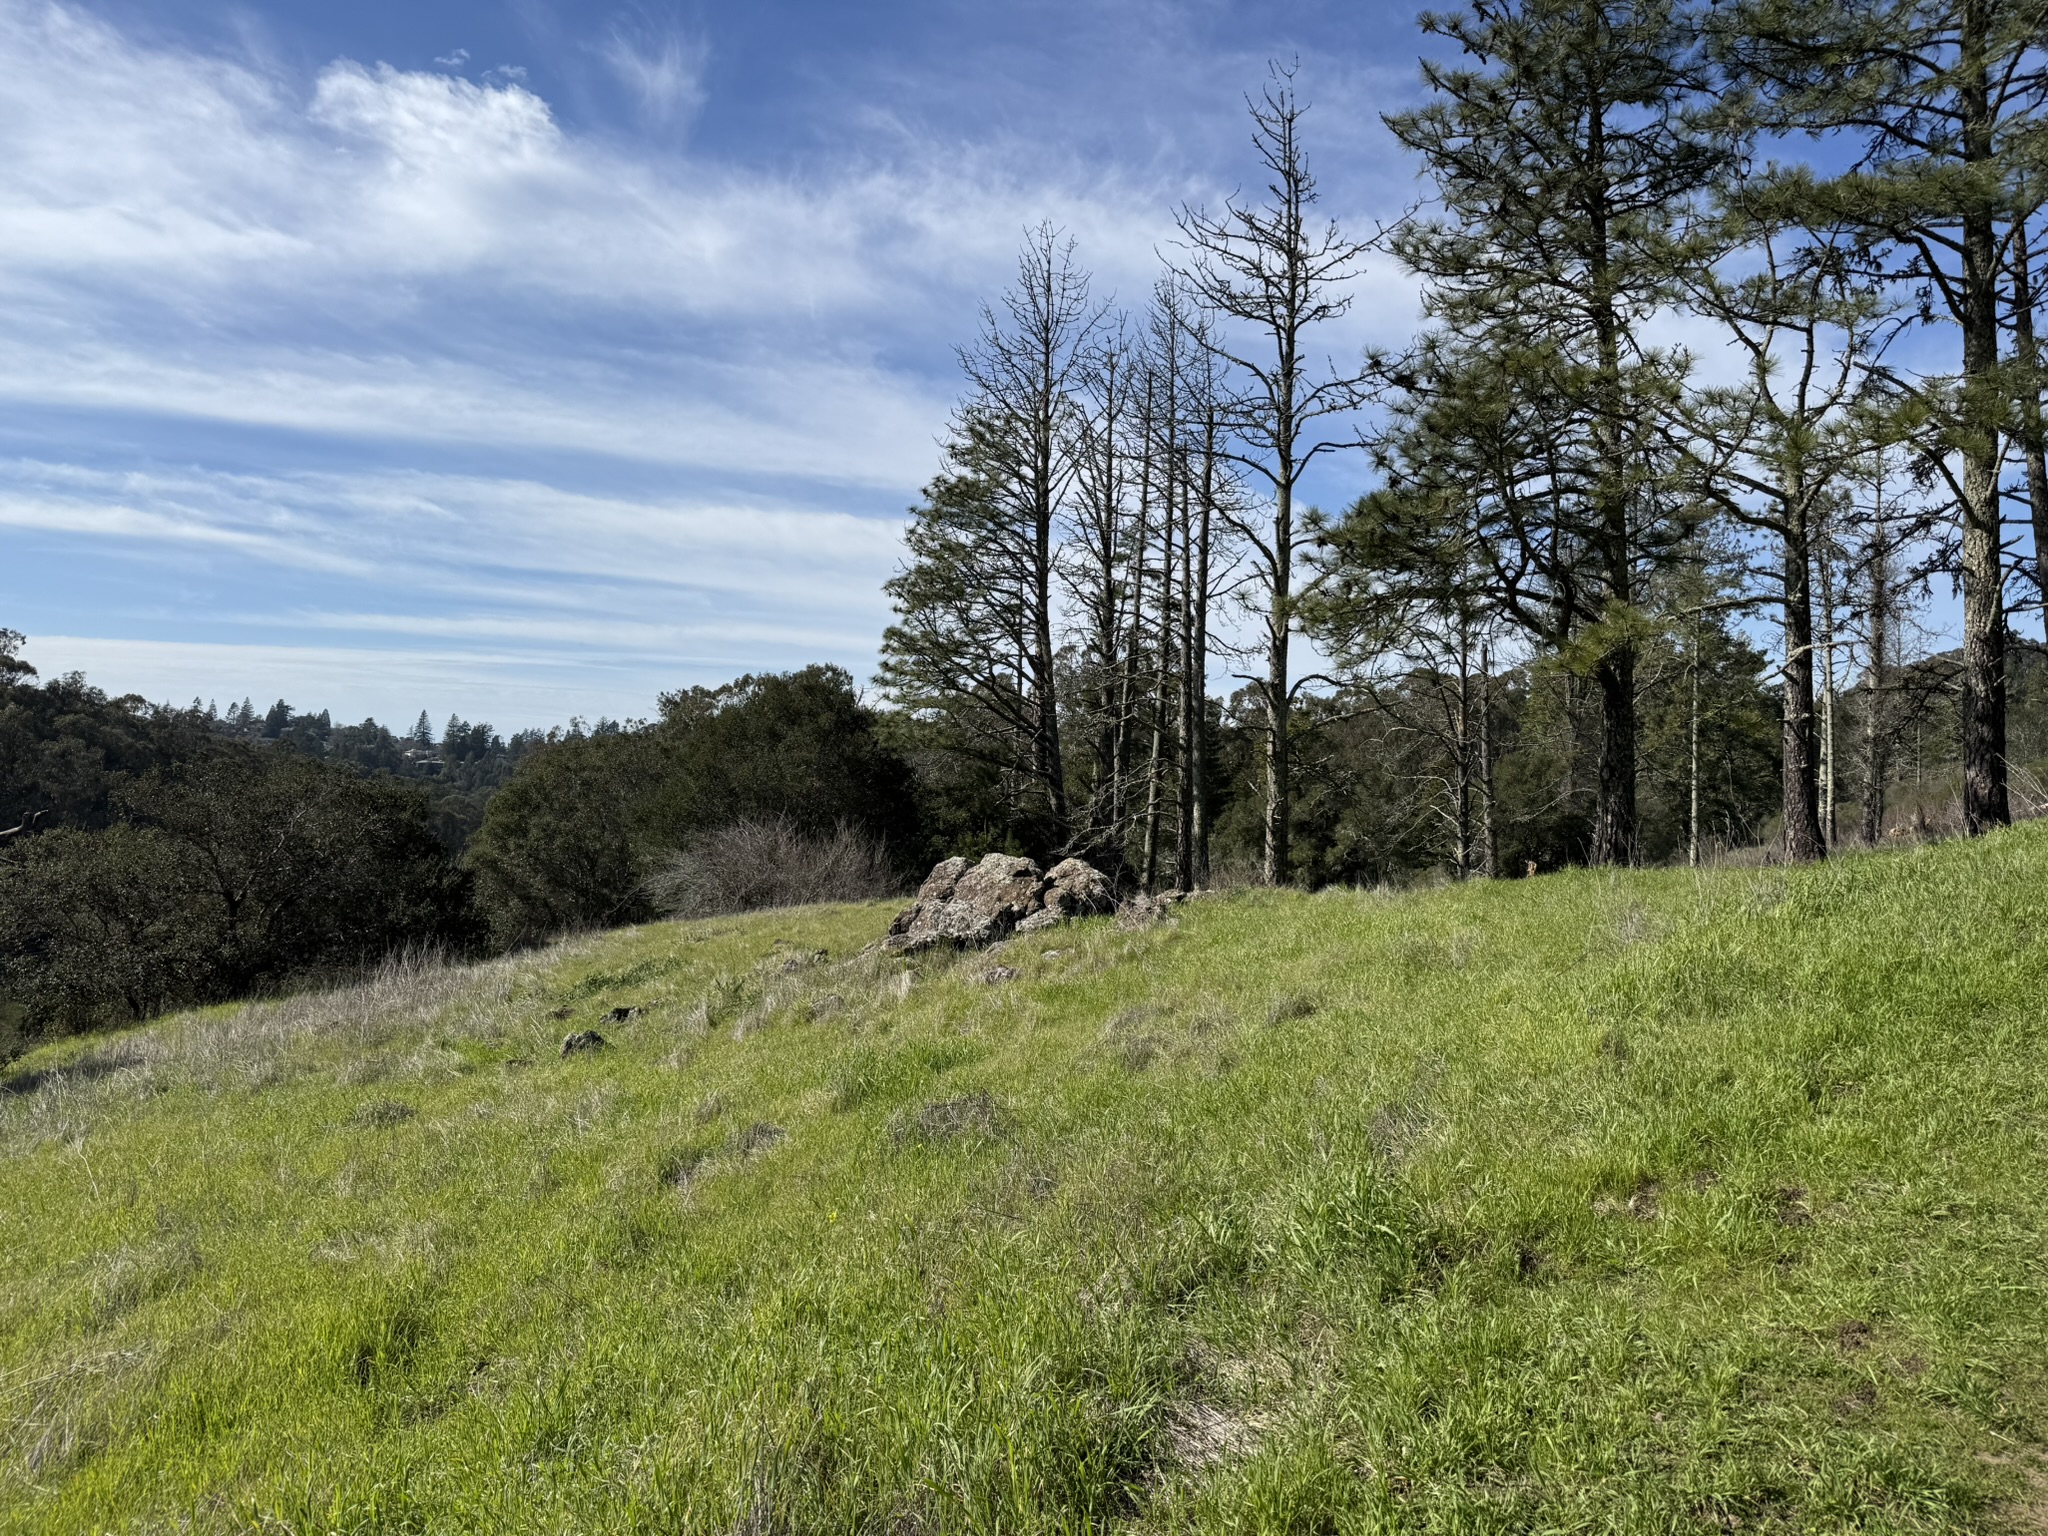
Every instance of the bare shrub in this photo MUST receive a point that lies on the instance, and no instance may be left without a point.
(754, 864)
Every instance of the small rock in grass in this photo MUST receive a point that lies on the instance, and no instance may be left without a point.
(995, 974)
(624, 1015)
(1143, 911)
(583, 1040)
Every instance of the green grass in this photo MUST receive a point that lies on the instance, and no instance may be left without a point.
(1648, 1202)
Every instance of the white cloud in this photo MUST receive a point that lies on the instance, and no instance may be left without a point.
(500, 540)
(794, 416)
(660, 68)
(412, 266)
(513, 688)
(136, 164)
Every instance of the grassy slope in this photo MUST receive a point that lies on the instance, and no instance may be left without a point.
(1649, 1202)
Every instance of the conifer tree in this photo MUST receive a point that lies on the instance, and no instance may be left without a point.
(1568, 160)
(1944, 99)
(974, 644)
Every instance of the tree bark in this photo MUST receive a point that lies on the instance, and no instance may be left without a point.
(1614, 822)
(1489, 847)
(1279, 624)
(1985, 803)
(1198, 657)
(1801, 797)
(2033, 437)
(1876, 685)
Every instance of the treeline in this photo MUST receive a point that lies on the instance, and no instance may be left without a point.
(459, 769)
(158, 858)
(153, 860)
(1537, 637)
(1601, 597)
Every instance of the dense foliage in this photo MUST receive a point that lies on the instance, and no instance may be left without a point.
(167, 857)
(573, 838)
(227, 873)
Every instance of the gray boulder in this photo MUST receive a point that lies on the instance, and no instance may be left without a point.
(963, 906)
(1002, 885)
(1076, 889)
(938, 885)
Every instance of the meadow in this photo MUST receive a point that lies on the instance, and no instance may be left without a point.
(1624, 1202)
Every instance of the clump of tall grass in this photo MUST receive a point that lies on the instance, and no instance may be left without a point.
(750, 865)
(258, 1043)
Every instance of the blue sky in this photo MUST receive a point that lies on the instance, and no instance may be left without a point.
(526, 359)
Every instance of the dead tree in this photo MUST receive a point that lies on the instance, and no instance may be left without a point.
(1271, 278)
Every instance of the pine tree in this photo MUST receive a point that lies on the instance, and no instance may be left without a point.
(1568, 162)
(975, 637)
(1946, 98)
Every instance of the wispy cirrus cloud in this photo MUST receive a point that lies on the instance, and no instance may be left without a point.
(366, 353)
(661, 67)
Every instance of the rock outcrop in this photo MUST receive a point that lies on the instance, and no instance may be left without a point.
(965, 906)
(1072, 889)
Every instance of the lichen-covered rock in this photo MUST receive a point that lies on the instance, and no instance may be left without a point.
(1002, 883)
(965, 906)
(1078, 889)
(938, 885)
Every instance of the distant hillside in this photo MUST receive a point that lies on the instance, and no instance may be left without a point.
(1598, 1202)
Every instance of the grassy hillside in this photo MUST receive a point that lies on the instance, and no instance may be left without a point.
(1588, 1203)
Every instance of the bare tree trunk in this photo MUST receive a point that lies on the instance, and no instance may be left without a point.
(1278, 696)
(1099, 583)
(1264, 269)
(1189, 694)
(1490, 829)
(1829, 778)
(1198, 656)
(1614, 820)
(1800, 800)
(2033, 439)
(1467, 851)
(1876, 687)
(1692, 747)
(1128, 694)
(1162, 683)
(1985, 802)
